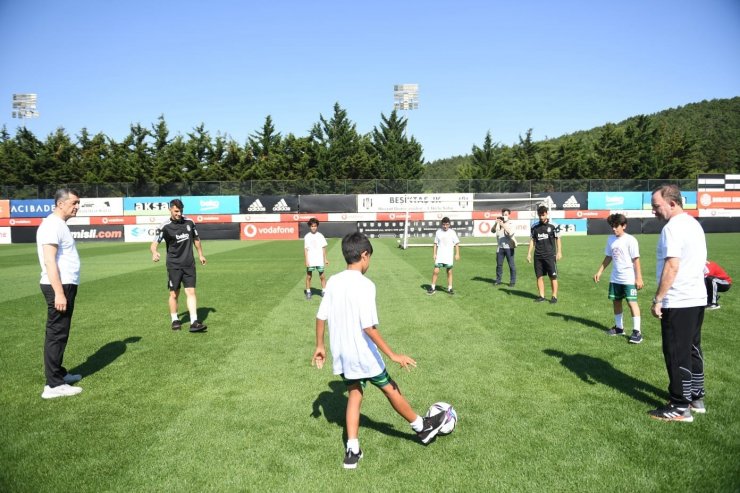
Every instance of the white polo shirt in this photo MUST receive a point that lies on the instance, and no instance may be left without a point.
(54, 231)
(683, 238)
(445, 241)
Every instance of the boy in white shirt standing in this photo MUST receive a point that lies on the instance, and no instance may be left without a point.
(623, 252)
(314, 252)
(349, 308)
(446, 251)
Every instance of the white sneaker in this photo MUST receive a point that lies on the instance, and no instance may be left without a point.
(59, 391)
(72, 378)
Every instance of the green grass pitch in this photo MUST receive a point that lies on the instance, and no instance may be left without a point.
(546, 401)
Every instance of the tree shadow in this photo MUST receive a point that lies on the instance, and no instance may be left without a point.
(583, 321)
(594, 370)
(202, 314)
(103, 357)
(334, 405)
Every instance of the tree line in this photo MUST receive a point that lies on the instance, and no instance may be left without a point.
(673, 144)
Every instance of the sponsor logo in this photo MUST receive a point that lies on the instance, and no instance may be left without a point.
(705, 199)
(31, 208)
(281, 206)
(209, 205)
(571, 203)
(256, 206)
(151, 206)
(614, 201)
(549, 203)
(94, 234)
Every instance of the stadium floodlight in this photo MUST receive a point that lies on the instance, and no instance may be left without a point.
(24, 106)
(406, 97)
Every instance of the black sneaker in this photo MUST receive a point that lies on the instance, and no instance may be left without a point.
(615, 331)
(432, 425)
(539, 299)
(671, 412)
(351, 459)
(431, 291)
(308, 295)
(497, 282)
(636, 337)
(176, 325)
(553, 300)
(197, 326)
(450, 291)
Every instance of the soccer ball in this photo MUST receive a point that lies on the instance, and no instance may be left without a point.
(450, 416)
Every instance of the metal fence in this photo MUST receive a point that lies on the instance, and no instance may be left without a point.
(343, 187)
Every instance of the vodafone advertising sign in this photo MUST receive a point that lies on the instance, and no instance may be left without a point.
(268, 231)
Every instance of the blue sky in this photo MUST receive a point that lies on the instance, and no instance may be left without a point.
(504, 66)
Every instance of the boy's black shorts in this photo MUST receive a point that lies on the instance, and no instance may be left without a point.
(185, 276)
(545, 266)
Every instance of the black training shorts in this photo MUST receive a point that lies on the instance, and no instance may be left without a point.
(545, 266)
(185, 276)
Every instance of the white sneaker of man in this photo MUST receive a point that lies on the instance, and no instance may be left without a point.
(63, 390)
(71, 378)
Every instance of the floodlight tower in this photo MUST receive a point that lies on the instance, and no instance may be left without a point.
(406, 98)
(24, 106)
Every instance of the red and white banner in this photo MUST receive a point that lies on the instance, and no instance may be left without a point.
(718, 200)
(21, 221)
(98, 220)
(268, 231)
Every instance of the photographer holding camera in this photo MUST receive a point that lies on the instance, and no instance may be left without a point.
(504, 230)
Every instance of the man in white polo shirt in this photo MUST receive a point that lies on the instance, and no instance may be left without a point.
(60, 276)
(679, 304)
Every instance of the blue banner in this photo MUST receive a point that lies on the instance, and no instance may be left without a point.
(689, 200)
(609, 201)
(211, 204)
(568, 227)
(31, 208)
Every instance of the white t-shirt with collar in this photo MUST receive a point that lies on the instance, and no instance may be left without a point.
(683, 238)
(54, 231)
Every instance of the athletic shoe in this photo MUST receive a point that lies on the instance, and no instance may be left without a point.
(553, 300)
(615, 331)
(197, 326)
(69, 378)
(63, 390)
(432, 425)
(323, 293)
(671, 412)
(636, 337)
(308, 295)
(497, 282)
(351, 459)
(697, 406)
(450, 291)
(713, 307)
(431, 291)
(176, 325)
(512, 284)
(539, 299)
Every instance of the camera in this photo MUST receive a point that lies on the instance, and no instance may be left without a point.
(500, 218)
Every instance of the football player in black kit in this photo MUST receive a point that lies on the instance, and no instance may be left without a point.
(545, 240)
(180, 236)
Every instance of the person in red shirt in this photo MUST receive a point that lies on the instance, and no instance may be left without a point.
(717, 281)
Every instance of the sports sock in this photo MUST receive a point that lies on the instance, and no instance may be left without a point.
(418, 424)
(636, 323)
(449, 288)
(353, 444)
(618, 320)
(173, 316)
(193, 316)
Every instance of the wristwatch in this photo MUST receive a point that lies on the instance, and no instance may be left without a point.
(656, 301)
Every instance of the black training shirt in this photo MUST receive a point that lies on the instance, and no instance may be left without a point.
(179, 237)
(544, 235)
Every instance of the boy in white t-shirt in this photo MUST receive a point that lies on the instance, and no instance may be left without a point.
(623, 252)
(349, 308)
(314, 252)
(446, 251)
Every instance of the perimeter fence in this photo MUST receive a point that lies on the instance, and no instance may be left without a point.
(341, 187)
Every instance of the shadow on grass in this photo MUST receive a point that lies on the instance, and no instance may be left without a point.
(594, 370)
(519, 292)
(104, 356)
(583, 321)
(202, 314)
(334, 404)
(484, 279)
